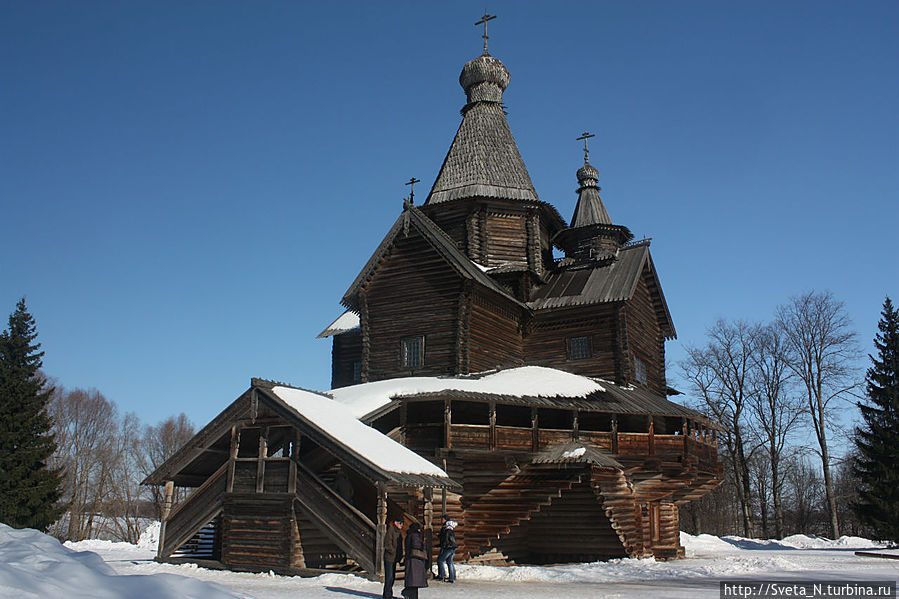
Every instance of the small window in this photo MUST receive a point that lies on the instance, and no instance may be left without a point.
(357, 372)
(413, 351)
(639, 370)
(580, 348)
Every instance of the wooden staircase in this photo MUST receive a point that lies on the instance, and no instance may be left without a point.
(617, 497)
(195, 513)
(512, 501)
(349, 528)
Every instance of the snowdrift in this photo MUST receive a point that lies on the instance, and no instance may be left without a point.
(35, 565)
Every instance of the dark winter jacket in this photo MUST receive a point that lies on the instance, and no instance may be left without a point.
(393, 545)
(416, 573)
(447, 538)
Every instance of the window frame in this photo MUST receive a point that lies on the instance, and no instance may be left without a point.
(640, 372)
(405, 344)
(588, 347)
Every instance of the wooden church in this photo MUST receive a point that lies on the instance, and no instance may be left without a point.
(475, 375)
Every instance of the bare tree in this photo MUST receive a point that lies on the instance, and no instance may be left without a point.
(159, 443)
(803, 494)
(720, 374)
(775, 412)
(85, 425)
(821, 350)
(124, 506)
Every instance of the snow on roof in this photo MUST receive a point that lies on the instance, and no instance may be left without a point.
(342, 424)
(527, 381)
(347, 321)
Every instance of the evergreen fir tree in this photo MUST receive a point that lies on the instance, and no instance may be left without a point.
(29, 489)
(878, 439)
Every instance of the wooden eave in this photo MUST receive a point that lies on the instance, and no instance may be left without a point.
(412, 217)
(614, 400)
(200, 442)
(658, 300)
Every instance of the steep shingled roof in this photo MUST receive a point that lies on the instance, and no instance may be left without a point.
(589, 209)
(483, 160)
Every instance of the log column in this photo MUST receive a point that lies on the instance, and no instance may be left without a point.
(381, 530)
(615, 433)
(429, 524)
(492, 420)
(166, 510)
(232, 457)
(260, 463)
(447, 424)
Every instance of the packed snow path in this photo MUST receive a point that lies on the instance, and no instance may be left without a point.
(710, 560)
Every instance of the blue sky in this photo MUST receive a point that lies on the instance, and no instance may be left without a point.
(187, 189)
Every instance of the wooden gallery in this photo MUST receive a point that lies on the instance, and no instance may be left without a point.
(475, 375)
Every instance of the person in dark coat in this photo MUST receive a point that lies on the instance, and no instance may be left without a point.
(446, 570)
(416, 556)
(393, 554)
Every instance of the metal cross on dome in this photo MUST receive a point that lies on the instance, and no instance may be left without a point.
(585, 136)
(487, 17)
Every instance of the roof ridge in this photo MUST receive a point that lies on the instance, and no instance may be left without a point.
(269, 384)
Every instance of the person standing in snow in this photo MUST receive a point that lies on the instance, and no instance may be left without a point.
(393, 554)
(416, 556)
(446, 571)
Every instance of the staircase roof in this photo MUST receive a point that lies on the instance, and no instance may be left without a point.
(576, 452)
(329, 424)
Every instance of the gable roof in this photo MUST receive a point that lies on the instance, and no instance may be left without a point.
(608, 282)
(328, 423)
(413, 218)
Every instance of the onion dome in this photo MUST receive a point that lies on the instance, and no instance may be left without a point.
(588, 176)
(484, 79)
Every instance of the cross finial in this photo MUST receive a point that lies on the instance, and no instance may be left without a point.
(585, 136)
(487, 17)
(411, 182)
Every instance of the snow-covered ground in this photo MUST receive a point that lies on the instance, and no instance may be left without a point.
(35, 565)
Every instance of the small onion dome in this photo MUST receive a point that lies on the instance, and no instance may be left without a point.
(587, 175)
(484, 79)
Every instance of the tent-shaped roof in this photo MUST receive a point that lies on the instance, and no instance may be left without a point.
(483, 160)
